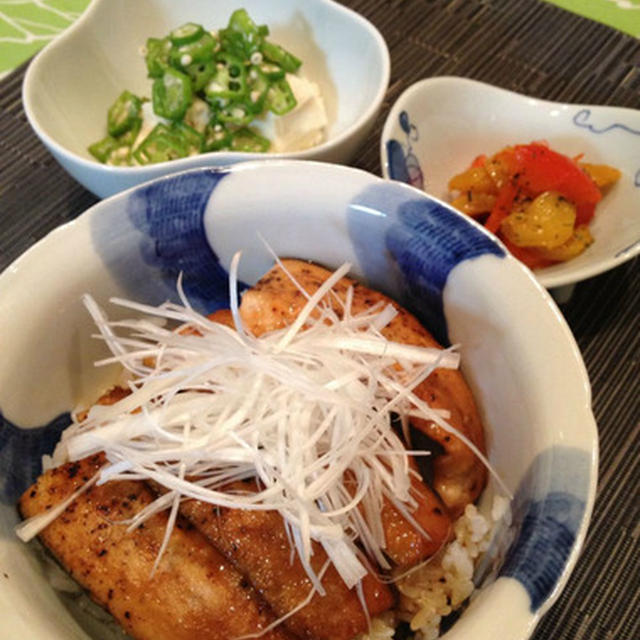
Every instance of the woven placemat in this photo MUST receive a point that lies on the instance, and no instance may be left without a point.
(522, 45)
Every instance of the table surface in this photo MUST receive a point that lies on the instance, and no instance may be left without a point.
(523, 45)
(27, 25)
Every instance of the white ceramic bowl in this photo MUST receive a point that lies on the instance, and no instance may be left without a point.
(518, 354)
(438, 125)
(72, 82)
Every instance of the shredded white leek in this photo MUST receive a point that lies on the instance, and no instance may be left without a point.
(306, 410)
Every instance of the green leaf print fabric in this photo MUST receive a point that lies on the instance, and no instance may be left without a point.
(621, 14)
(27, 25)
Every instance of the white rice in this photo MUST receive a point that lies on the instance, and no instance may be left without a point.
(382, 627)
(439, 587)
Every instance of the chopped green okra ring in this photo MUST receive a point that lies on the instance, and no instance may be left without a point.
(271, 70)
(229, 80)
(275, 53)
(200, 50)
(172, 94)
(243, 36)
(200, 74)
(280, 98)
(258, 86)
(217, 137)
(249, 141)
(102, 149)
(123, 114)
(192, 140)
(161, 145)
(157, 56)
(186, 33)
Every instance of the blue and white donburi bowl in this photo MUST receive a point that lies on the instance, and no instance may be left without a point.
(518, 354)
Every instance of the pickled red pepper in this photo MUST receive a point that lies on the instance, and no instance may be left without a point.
(538, 201)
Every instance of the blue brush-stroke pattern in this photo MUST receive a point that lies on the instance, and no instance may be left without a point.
(21, 452)
(580, 119)
(427, 242)
(547, 511)
(547, 534)
(170, 215)
(396, 162)
(411, 245)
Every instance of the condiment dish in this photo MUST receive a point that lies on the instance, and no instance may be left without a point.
(439, 125)
(518, 354)
(72, 82)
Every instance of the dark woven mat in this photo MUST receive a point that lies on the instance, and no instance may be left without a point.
(523, 45)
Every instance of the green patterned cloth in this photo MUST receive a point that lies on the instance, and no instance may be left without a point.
(621, 14)
(27, 25)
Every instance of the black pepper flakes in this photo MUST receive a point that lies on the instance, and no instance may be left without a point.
(72, 470)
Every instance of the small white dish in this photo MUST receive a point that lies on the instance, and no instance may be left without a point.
(438, 125)
(72, 82)
(518, 353)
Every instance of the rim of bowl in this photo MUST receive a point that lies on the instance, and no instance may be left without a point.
(230, 156)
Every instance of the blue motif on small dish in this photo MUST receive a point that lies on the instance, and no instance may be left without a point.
(21, 452)
(535, 550)
(581, 119)
(411, 246)
(403, 163)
